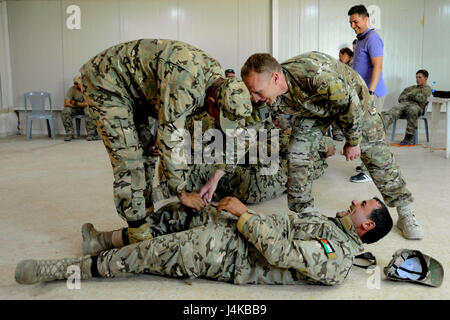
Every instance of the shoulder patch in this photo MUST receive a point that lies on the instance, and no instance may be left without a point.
(328, 248)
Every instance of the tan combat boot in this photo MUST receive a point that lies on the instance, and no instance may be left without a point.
(408, 224)
(95, 241)
(34, 271)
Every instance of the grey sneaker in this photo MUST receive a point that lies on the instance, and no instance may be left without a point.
(361, 177)
(34, 271)
(408, 224)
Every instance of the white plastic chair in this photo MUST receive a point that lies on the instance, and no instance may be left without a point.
(37, 103)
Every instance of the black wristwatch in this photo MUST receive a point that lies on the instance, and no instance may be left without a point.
(371, 92)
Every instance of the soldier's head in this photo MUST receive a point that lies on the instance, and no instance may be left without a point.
(77, 82)
(345, 55)
(229, 73)
(264, 78)
(229, 102)
(370, 218)
(359, 18)
(421, 77)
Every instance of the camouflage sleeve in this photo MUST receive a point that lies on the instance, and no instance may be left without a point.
(270, 236)
(173, 138)
(404, 95)
(343, 99)
(422, 96)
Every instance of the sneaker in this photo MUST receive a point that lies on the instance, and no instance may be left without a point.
(92, 138)
(68, 137)
(361, 177)
(408, 224)
(338, 137)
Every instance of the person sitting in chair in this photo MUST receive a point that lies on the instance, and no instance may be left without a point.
(412, 103)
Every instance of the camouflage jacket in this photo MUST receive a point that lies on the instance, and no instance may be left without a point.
(308, 247)
(322, 87)
(416, 94)
(165, 79)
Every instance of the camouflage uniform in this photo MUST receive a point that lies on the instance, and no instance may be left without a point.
(127, 84)
(66, 115)
(412, 103)
(321, 89)
(246, 181)
(261, 249)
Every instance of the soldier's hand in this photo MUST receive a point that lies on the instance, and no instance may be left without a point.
(351, 152)
(191, 200)
(232, 205)
(331, 151)
(207, 191)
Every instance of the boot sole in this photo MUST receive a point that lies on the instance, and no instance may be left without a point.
(20, 272)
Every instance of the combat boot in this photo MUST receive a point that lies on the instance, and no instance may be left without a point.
(408, 224)
(95, 241)
(34, 271)
(409, 139)
(68, 137)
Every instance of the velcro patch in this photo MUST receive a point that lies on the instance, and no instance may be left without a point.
(328, 248)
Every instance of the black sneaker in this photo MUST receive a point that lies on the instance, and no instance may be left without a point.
(338, 137)
(361, 177)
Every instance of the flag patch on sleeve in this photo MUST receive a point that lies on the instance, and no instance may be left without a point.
(328, 248)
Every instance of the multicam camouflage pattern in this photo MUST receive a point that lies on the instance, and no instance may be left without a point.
(412, 103)
(66, 115)
(262, 249)
(246, 182)
(125, 85)
(322, 90)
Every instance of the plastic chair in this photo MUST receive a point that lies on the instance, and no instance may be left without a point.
(425, 120)
(37, 104)
(78, 123)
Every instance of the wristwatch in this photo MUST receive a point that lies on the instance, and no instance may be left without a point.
(371, 92)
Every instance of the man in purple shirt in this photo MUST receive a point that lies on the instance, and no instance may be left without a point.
(368, 62)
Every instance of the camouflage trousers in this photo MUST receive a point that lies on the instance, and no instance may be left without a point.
(66, 117)
(128, 134)
(375, 155)
(187, 245)
(409, 111)
(183, 245)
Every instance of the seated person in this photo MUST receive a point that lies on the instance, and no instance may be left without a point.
(229, 73)
(74, 105)
(229, 242)
(346, 56)
(412, 103)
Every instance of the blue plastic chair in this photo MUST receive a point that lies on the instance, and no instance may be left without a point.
(423, 116)
(37, 103)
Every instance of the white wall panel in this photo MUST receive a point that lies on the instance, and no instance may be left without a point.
(436, 50)
(99, 30)
(140, 19)
(36, 50)
(299, 27)
(254, 33)
(211, 26)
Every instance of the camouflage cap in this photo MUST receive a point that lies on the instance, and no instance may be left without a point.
(77, 79)
(414, 266)
(234, 101)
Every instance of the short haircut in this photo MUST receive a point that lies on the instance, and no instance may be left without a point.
(260, 63)
(424, 72)
(383, 223)
(346, 51)
(354, 41)
(360, 10)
